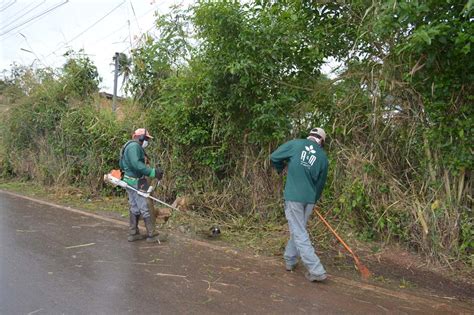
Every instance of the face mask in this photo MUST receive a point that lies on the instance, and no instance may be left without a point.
(315, 139)
(144, 144)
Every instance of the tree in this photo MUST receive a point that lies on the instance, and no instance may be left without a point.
(124, 68)
(80, 76)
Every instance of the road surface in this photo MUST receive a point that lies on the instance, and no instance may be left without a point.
(56, 260)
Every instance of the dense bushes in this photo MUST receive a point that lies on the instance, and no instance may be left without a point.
(55, 132)
(225, 83)
(399, 114)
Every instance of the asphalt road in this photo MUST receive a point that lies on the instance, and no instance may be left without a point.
(57, 261)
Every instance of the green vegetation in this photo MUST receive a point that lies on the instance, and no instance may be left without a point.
(70, 197)
(225, 83)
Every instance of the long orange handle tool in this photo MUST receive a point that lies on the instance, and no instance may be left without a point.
(364, 272)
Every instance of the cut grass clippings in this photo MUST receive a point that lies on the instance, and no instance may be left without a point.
(260, 237)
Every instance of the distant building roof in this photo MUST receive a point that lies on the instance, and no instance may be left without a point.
(109, 96)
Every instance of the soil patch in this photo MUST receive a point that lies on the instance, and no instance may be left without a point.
(413, 272)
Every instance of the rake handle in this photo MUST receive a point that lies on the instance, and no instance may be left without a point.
(337, 236)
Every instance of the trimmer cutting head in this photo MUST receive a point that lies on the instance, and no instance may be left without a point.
(215, 231)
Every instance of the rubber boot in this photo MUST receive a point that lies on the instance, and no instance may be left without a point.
(150, 231)
(133, 231)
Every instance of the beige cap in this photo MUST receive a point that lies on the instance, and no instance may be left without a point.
(318, 132)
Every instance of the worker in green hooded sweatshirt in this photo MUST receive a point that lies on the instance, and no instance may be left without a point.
(133, 164)
(307, 171)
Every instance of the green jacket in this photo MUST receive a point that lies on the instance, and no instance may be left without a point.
(132, 163)
(307, 169)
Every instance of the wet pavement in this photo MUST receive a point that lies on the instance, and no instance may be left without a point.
(56, 260)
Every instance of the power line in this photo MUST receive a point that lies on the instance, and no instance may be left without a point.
(7, 6)
(34, 18)
(136, 20)
(110, 12)
(123, 25)
(25, 13)
(13, 16)
(112, 33)
(88, 28)
(141, 36)
(27, 25)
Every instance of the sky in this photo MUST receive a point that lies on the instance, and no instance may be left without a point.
(39, 32)
(100, 27)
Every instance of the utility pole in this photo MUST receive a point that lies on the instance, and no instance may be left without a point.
(116, 71)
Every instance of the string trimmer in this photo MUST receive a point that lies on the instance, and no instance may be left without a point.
(115, 181)
(109, 178)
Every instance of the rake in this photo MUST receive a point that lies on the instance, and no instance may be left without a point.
(364, 271)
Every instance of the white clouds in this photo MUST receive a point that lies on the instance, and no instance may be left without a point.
(46, 39)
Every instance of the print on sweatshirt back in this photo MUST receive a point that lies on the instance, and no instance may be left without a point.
(307, 156)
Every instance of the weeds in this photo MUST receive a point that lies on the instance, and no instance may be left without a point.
(399, 119)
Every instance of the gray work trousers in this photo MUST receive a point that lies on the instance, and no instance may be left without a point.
(297, 214)
(138, 204)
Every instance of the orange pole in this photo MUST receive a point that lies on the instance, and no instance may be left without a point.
(364, 271)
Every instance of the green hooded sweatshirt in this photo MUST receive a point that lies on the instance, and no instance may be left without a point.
(307, 169)
(132, 163)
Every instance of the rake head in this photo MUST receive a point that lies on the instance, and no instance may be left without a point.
(364, 271)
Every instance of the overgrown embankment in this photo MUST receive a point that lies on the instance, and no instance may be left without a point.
(224, 84)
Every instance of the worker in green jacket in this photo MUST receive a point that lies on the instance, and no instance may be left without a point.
(307, 171)
(134, 165)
